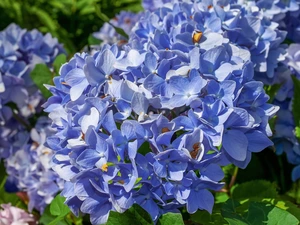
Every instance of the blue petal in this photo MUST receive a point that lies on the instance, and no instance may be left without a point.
(176, 170)
(296, 173)
(160, 169)
(139, 103)
(74, 77)
(128, 130)
(150, 63)
(258, 140)
(108, 122)
(106, 62)
(235, 143)
(88, 158)
(91, 119)
(205, 200)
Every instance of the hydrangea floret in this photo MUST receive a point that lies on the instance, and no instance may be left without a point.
(10, 215)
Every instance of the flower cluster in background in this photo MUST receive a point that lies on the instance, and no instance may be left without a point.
(23, 132)
(124, 20)
(10, 215)
(29, 167)
(286, 16)
(285, 139)
(153, 122)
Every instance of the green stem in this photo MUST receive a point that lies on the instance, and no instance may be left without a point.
(21, 121)
(282, 180)
(233, 178)
(297, 194)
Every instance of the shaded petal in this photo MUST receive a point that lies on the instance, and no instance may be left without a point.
(259, 141)
(235, 143)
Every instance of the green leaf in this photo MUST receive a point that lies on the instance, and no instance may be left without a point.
(296, 101)
(42, 75)
(145, 148)
(258, 213)
(57, 206)
(47, 218)
(294, 192)
(58, 62)
(230, 214)
(272, 90)
(105, 18)
(171, 219)
(93, 41)
(135, 215)
(297, 132)
(255, 189)
(44, 17)
(205, 218)
(221, 197)
(58, 220)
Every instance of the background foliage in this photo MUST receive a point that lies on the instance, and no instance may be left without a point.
(71, 21)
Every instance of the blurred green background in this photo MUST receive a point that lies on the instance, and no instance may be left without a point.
(71, 21)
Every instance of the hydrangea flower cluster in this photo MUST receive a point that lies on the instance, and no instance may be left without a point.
(285, 139)
(10, 215)
(20, 51)
(29, 168)
(152, 123)
(22, 146)
(261, 26)
(287, 15)
(246, 24)
(291, 24)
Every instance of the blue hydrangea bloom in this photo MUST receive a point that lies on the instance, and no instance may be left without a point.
(284, 137)
(26, 158)
(20, 51)
(29, 167)
(151, 123)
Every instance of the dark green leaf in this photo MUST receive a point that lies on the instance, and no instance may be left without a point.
(42, 75)
(57, 206)
(58, 62)
(271, 90)
(294, 192)
(296, 101)
(47, 218)
(44, 17)
(171, 219)
(59, 220)
(135, 215)
(205, 218)
(145, 148)
(103, 17)
(254, 189)
(230, 214)
(258, 213)
(221, 197)
(93, 41)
